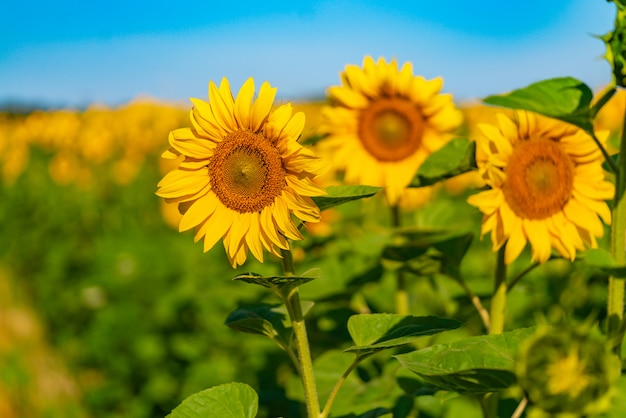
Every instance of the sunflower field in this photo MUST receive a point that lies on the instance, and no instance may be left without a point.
(385, 252)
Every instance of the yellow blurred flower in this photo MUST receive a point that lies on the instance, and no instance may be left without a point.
(547, 186)
(243, 172)
(384, 122)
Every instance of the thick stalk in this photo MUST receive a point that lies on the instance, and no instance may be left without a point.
(498, 309)
(615, 306)
(498, 300)
(402, 294)
(291, 299)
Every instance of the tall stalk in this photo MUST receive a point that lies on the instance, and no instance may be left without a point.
(291, 299)
(615, 306)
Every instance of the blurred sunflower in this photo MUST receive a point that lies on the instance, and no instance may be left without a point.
(547, 186)
(243, 173)
(382, 123)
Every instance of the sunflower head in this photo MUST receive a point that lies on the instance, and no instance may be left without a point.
(547, 186)
(566, 370)
(382, 123)
(242, 174)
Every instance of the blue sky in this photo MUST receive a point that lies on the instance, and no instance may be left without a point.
(69, 53)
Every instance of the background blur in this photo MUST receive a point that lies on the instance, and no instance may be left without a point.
(70, 53)
(107, 311)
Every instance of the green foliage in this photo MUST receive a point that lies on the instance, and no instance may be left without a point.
(563, 98)
(473, 365)
(338, 195)
(375, 332)
(454, 158)
(615, 45)
(279, 282)
(232, 400)
(602, 260)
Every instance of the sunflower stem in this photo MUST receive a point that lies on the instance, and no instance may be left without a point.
(607, 157)
(402, 294)
(615, 305)
(291, 299)
(335, 391)
(497, 311)
(498, 300)
(482, 312)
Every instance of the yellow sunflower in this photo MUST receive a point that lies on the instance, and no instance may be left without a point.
(382, 123)
(547, 186)
(243, 174)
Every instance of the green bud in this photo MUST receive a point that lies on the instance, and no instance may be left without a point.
(567, 371)
(616, 45)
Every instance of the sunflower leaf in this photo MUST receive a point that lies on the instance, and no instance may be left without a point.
(602, 260)
(375, 332)
(264, 320)
(564, 98)
(338, 195)
(479, 364)
(454, 158)
(279, 281)
(433, 249)
(235, 400)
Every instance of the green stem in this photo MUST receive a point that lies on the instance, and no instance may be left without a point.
(607, 157)
(291, 299)
(335, 391)
(498, 308)
(402, 294)
(522, 274)
(615, 305)
(484, 315)
(498, 300)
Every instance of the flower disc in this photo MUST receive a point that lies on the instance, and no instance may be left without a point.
(391, 129)
(243, 173)
(539, 179)
(547, 186)
(246, 172)
(383, 122)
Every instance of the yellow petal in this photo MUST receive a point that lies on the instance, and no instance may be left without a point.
(276, 122)
(183, 141)
(293, 128)
(537, 233)
(200, 210)
(179, 183)
(220, 109)
(238, 231)
(516, 243)
(253, 237)
(282, 218)
(268, 227)
(243, 102)
(348, 97)
(583, 217)
(262, 106)
(213, 229)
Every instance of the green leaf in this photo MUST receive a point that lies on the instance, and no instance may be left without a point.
(456, 157)
(232, 400)
(428, 246)
(602, 260)
(565, 98)
(279, 281)
(261, 320)
(375, 332)
(357, 397)
(472, 365)
(338, 195)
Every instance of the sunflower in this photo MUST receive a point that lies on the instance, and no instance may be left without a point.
(243, 174)
(382, 123)
(547, 186)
